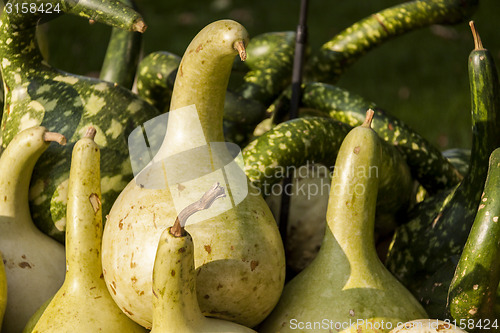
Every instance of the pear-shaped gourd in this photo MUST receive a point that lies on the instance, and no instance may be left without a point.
(34, 263)
(427, 326)
(39, 94)
(3, 290)
(347, 288)
(175, 304)
(238, 253)
(83, 303)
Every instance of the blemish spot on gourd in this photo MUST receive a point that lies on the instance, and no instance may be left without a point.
(206, 297)
(208, 248)
(182, 250)
(172, 273)
(113, 287)
(134, 279)
(356, 150)
(199, 48)
(495, 219)
(127, 311)
(24, 264)
(253, 265)
(219, 286)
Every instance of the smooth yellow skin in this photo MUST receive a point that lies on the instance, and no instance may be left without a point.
(346, 284)
(34, 263)
(83, 303)
(175, 302)
(239, 254)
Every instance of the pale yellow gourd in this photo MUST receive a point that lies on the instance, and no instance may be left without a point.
(175, 304)
(34, 263)
(83, 303)
(347, 288)
(238, 253)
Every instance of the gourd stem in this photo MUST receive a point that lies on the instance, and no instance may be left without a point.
(369, 117)
(90, 133)
(54, 137)
(139, 26)
(478, 45)
(240, 47)
(214, 193)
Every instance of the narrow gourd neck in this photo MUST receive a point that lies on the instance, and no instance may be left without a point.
(202, 80)
(175, 304)
(84, 216)
(16, 167)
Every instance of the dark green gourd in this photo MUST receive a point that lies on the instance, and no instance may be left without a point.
(38, 94)
(437, 228)
(335, 56)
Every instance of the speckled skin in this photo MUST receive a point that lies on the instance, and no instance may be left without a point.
(437, 228)
(347, 281)
(239, 255)
(175, 302)
(34, 263)
(335, 56)
(38, 94)
(122, 55)
(472, 293)
(83, 303)
(426, 162)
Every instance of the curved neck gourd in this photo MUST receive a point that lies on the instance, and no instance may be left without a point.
(201, 81)
(16, 167)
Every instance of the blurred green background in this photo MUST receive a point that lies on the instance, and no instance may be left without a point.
(420, 77)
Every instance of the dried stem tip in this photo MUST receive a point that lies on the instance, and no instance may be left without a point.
(139, 26)
(368, 119)
(240, 47)
(54, 137)
(90, 133)
(214, 193)
(478, 45)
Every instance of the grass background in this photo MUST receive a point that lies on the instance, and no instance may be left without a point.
(420, 77)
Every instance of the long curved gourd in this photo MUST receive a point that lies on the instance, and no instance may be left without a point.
(347, 283)
(473, 290)
(122, 55)
(438, 227)
(34, 263)
(336, 55)
(38, 94)
(240, 271)
(427, 165)
(83, 303)
(175, 303)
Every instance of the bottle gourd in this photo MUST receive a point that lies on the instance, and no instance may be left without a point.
(83, 303)
(240, 271)
(347, 283)
(34, 263)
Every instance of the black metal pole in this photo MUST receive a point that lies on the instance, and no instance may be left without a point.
(298, 64)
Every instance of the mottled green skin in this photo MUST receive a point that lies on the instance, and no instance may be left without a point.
(156, 76)
(437, 228)
(317, 140)
(460, 158)
(426, 162)
(38, 94)
(473, 289)
(335, 56)
(122, 55)
(347, 282)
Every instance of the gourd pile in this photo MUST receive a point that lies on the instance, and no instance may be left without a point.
(103, 232)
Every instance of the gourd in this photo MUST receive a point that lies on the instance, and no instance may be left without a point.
(240, 272)
(347, 283)
(3, 290)
(473, 290)
(436, 229)
(122, 55)
(34, 263)
(83, 303)
(427, 326)
(175, 304)
(336, 55)
(38, 94)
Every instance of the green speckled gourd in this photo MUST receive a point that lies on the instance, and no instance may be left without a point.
(427, 165)
(175, 302)
(317, 140)
(122, 55)
(38, 94)
(438, 227)
(34, 263)
(473, 290)
(347, 282)
(335, 56)
(83, 303)
(239, 254)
